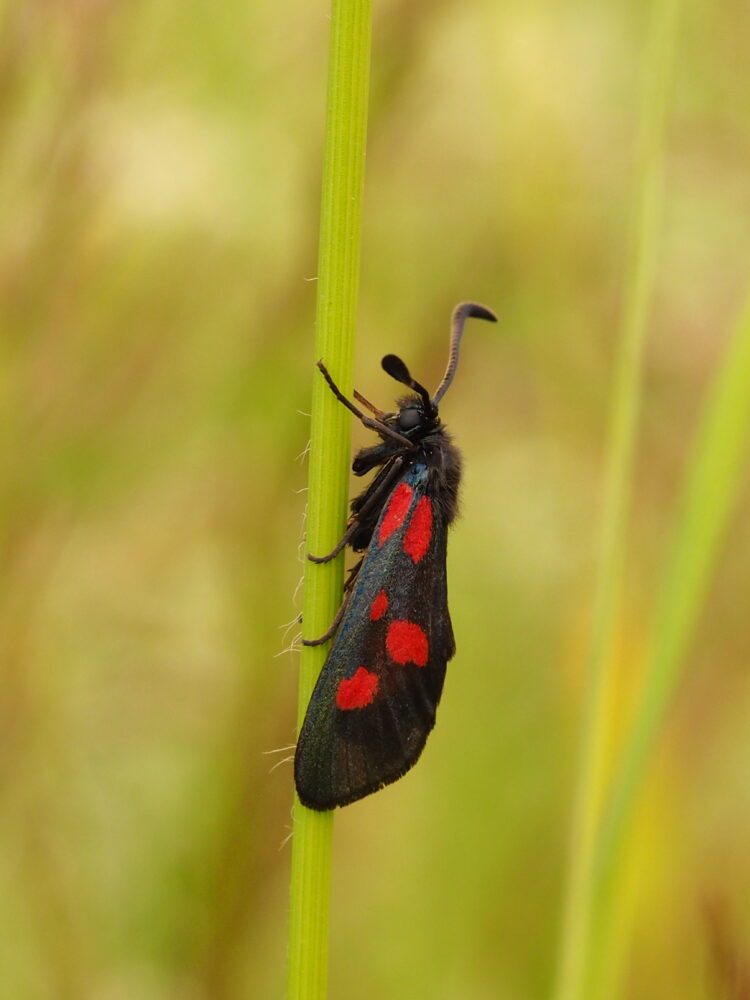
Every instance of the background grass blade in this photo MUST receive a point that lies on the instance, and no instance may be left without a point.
(338, 279)
(714, 477)
(715, 473)
(575, 943)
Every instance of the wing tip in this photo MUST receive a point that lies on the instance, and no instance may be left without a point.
(321, 796)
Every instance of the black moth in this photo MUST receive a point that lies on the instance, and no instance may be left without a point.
(375, 701)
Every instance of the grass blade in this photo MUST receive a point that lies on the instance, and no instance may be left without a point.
(338, 280)
(575, 943)
(715, 475)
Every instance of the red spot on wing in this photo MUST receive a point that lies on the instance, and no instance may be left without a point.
(406, 642)
(357, 691)
(379, 606)
(397, 510)
(418, 534)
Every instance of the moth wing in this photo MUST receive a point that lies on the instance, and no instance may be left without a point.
(375, 701)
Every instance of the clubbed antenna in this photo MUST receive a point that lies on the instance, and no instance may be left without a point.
(396, 368)
(461, 313)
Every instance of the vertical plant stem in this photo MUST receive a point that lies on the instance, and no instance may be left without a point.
(338, 280)
(575, 946)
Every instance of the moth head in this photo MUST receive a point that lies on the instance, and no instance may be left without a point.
(410, 416)
(414, 411)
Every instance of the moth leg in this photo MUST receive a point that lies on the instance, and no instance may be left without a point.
(380, 414)
(375, 425)
(341, 611)
(361, 513)
(334, 625)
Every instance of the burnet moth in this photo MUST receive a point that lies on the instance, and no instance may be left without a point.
(374, 703)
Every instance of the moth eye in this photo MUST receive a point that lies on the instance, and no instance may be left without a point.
(409, 418)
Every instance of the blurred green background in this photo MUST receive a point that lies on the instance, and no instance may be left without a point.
(159, 189)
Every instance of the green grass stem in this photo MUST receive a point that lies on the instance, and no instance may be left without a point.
(575, 945)
(338, 280)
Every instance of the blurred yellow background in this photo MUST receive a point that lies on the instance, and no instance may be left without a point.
(159, 188)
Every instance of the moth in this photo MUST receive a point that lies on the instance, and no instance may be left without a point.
(375, 700)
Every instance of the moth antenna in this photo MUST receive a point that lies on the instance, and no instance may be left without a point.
(396, 368)
(461, 313)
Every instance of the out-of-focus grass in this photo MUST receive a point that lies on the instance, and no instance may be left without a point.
(714, 474)
(580, 939)
(159, 188)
